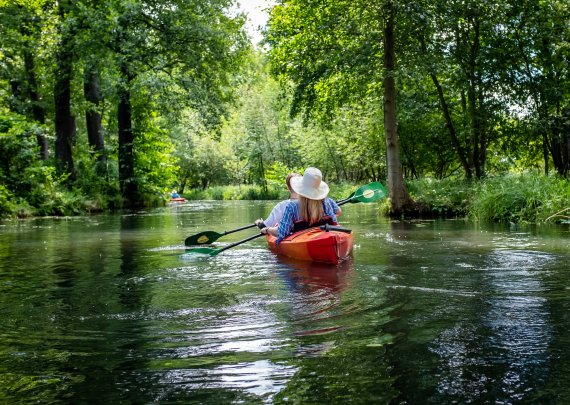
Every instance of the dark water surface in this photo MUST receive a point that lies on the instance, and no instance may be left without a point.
(110, 309)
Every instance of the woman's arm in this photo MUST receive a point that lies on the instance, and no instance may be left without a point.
(334, 207)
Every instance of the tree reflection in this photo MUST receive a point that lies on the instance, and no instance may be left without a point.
(474, 324)
(333, 354)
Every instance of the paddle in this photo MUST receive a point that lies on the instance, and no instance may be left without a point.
(214, 252)
(208, 237)
(369, 193)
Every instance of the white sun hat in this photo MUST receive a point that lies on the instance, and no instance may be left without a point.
(311, 185)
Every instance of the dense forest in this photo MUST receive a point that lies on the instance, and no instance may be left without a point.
(108, 104)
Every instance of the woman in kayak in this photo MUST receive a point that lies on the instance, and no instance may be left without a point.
(277, 211)
(313, 208)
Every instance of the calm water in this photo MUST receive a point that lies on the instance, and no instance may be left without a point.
(110, 309)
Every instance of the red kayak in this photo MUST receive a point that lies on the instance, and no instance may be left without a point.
(315, 244)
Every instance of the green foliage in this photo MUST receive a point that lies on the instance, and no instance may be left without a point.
(155, 165)
(30, 186)
(338, 191)
(258, 130)
(242, 192)
(7, 206)
(341, 190)
(444, 197)
(98, 184)
(424, 140)
(527, 197)
(519, 198)
(277, 173)
(206, 111)
(18, 151)
(330, 50)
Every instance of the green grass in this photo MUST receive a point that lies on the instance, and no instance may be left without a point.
(444, 197)
(250, 192)
(520, 198)
(517, 198)
(243, 192)
(524, 198)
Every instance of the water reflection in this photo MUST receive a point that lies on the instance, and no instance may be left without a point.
(486, 325)
(333, 330)
(315, 293)
(515, 324)
(105, 310)
(220, 338)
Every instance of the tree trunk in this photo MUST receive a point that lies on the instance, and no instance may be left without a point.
(332, 155)
(398, 191)
(474, 130)
(472, 102)
(64, 120)
(566, 152)
(93, 118)
(555, 152)
(262, 172)
(38, 112)
(545, 154)
(447, 117)
(451, 128)
(127, 179)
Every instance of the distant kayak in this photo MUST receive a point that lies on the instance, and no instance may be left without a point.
(178, 199)
(315, 244)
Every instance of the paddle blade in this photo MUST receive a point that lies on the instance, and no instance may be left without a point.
(202, 238)
(369, 193)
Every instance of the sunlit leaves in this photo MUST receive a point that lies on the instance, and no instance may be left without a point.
(332, 51)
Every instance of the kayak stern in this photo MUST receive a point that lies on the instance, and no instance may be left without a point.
(314, 245)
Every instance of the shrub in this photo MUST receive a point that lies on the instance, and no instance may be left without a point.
(519, 198)
(444, 197)
(527, 197)
(7, 206)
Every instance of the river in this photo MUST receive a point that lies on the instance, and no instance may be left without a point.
(112, 309)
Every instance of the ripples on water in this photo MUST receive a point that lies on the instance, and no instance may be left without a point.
(114, 309)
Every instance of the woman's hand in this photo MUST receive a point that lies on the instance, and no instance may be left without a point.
(269, 231)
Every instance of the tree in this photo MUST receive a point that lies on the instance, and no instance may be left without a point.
(538, 73)
(398, 191)
(259, 127)
(457, 45)
(173, 46)
(65, 129)
(336, 52)
(20, 37)
(93, 116)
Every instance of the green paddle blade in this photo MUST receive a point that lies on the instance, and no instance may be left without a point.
(207, 237)
(202, 238)
(369, 193)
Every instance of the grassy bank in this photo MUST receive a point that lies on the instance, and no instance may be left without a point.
(525, 198)
(249, 192)
(521, 198)
(242, 192)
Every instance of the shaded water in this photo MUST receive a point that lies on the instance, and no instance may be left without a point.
(110, 309)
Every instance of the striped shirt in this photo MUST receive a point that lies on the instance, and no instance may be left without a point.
(293, 213)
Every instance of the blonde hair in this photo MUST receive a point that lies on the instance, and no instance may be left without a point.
(311, 210)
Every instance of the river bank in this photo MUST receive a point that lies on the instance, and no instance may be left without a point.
(515, 198)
